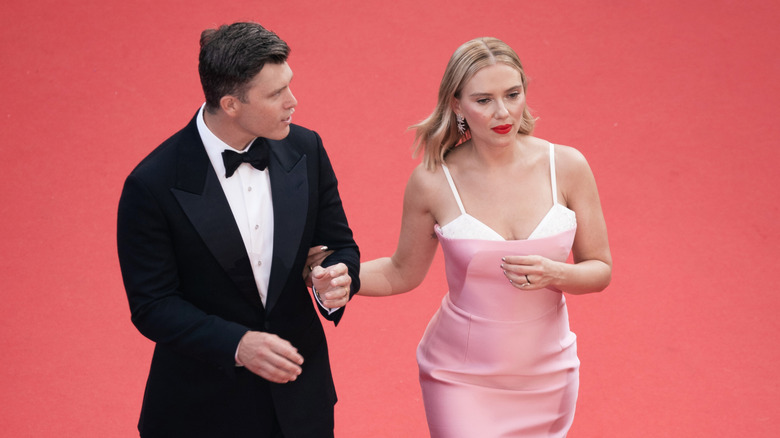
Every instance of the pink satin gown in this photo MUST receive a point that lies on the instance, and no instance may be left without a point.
(497, 361)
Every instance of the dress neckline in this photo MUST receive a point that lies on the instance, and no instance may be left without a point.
(547, 217)
(466, 216)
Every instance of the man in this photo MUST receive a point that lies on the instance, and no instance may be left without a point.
(212, 251)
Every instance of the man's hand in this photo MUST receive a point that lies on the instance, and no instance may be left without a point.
(270, 357)
(332, 285)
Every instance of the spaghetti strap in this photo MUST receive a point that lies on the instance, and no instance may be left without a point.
(454, 190)
(553, 179)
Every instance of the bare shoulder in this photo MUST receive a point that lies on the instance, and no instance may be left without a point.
(569, 156)
(575, 178)
(424, 180)
(424, 189)
(571, 163)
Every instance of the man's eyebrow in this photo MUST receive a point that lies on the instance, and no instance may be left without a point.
(282, 88)
(279, 89)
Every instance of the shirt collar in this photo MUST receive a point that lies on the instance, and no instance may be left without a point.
(214, 146)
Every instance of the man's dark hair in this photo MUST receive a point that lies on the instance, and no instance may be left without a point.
(234, 54)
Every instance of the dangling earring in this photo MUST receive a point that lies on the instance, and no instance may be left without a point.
(461, 123)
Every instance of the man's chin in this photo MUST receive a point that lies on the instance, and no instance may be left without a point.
(280, 135)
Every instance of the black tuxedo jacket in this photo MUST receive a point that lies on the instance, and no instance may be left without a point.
(191, 289)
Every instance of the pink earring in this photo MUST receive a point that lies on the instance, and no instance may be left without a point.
(461, 123)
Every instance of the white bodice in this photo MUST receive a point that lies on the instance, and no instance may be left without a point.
(557, 220)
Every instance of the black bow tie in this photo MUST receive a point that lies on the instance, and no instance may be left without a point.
(257, 156)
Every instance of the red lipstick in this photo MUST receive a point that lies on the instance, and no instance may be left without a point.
(503, 129)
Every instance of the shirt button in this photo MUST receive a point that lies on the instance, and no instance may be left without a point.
(257, 226)
(259, 263)
(249, 189)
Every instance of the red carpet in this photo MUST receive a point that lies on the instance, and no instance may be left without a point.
(674, 106)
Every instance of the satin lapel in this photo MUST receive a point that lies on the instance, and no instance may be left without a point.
(203, 201)
(289, 191)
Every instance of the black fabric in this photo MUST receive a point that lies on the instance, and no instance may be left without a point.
(257, 156)
(190, 288)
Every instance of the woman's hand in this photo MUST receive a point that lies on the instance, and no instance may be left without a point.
(531, 272)
(316, 255)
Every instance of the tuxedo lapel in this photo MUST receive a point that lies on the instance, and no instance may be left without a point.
(289, 191)
(200, 195)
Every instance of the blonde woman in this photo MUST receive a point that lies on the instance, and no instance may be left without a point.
(498, 358)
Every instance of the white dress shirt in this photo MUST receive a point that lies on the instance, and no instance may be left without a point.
(248, 192)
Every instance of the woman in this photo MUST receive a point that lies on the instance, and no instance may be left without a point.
(498, 358)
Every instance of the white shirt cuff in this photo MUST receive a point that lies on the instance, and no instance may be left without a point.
(317, 298)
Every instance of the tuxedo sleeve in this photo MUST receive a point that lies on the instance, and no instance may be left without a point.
(148, 261)
(332, 228)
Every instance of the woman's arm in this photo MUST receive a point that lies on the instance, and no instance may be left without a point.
(406, 268)
(592, 268)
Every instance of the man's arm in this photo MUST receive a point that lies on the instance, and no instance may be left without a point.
(150, 273)
(332, 230)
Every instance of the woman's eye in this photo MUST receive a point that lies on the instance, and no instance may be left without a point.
(483, 101)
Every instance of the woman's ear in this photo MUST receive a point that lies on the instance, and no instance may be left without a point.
(455, 105)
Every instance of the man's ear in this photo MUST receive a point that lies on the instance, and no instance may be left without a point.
(229, 104)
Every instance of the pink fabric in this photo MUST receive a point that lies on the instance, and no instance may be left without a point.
(497, 361)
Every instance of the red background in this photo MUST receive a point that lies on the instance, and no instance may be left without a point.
(673, 103)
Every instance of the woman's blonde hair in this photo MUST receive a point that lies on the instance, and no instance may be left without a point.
(438, 134)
